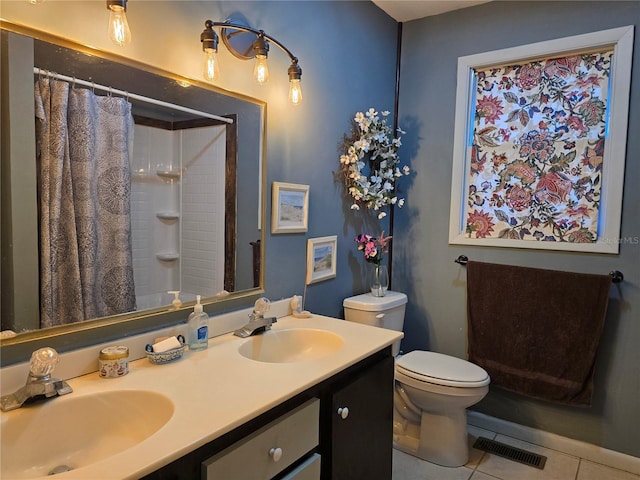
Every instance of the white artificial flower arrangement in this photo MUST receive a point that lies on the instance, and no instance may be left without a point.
(372, 145)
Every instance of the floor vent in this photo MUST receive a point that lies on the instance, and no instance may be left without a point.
(511, 453)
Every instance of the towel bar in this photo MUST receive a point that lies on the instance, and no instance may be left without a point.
(616, 275)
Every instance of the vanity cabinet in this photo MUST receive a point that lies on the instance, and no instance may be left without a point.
(315, 441)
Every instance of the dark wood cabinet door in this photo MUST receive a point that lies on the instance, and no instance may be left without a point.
(361, 441)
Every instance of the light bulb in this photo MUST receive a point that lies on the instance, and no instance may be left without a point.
(118, 26)
(295, 92)
(295, 89)
(211, 64)
(261, 70)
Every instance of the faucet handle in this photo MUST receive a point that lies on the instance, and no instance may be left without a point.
(43, 361)
(261, 306)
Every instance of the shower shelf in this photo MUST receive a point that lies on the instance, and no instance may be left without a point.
(169, 174)
(168, 256)
(168, 215)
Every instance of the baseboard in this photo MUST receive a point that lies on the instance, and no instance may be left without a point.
(553, 441)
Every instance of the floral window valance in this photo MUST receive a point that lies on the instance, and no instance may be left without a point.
(537, 144)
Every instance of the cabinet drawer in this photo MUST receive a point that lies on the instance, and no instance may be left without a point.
(307, 470)
(269, 450)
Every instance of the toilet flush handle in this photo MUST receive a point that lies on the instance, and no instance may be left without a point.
(380, 316)
(343, 412)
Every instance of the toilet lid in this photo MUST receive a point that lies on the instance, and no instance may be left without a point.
(441, 369)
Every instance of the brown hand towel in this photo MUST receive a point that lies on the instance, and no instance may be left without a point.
(536, 331)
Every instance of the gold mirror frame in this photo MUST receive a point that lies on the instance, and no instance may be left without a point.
(90, 332)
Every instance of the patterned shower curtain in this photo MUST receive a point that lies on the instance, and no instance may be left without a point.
(83, 145)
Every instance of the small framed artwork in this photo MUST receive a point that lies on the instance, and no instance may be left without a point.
(321, 258)
(289, 208)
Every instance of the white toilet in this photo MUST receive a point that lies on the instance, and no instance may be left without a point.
(432, 390)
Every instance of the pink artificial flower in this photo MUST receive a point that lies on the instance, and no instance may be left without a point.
(373, 248)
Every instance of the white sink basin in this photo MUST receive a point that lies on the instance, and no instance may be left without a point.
(294, 345)
(75, 431)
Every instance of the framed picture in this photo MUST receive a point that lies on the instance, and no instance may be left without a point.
(321, 258)
(540, 143)
(289, 208)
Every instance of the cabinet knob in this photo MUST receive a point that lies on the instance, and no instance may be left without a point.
(343, 412)
(275, 453)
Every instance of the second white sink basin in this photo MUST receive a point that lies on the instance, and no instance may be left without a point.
(294, 345)
(72, 432)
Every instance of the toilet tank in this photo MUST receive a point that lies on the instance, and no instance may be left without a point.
(384, 312)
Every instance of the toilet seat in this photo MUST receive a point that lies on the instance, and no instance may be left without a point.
(439, 369)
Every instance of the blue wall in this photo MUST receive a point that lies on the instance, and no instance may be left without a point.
(348, 54)
(423, 261)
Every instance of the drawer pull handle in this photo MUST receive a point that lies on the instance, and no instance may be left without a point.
(275, 453)
(343, 412)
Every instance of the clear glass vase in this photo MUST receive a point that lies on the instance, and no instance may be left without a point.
(379, 282)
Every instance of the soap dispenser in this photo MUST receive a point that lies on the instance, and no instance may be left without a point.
(198, 326)
(177, 303)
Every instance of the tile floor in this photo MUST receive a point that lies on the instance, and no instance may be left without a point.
(486, 466)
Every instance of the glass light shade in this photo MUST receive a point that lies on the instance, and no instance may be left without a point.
(295, 91)
(261, 70)
(211, 64)
(119, 32)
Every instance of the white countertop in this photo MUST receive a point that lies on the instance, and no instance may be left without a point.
(217, 390)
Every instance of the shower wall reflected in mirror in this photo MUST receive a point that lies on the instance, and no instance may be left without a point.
(177, 209)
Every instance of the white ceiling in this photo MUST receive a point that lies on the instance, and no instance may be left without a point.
(405, 10)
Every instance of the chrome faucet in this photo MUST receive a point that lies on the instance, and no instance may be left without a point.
(39, 384)
(258, 323)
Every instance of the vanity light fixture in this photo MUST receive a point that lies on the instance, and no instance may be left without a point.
(119, 32)
(257, 49)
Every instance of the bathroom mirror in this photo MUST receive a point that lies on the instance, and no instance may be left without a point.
(159, 184)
